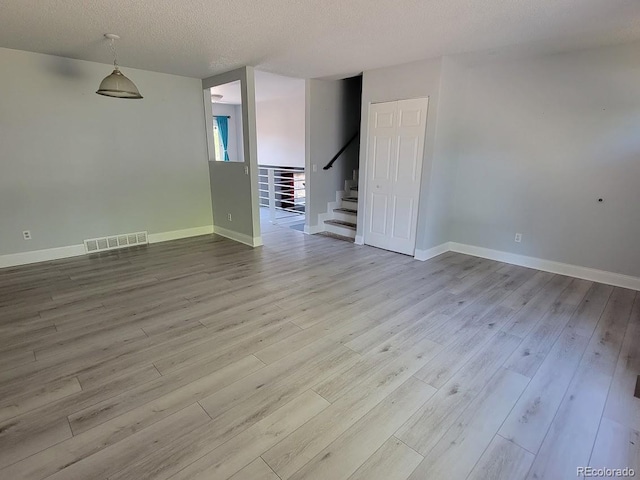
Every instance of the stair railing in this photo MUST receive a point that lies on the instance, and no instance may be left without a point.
(337, 155)
(282, 189)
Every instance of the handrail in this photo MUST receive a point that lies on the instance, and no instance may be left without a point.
(335, 157)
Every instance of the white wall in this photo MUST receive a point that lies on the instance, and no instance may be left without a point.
(76, 165)
(540, 140)
(281, 128)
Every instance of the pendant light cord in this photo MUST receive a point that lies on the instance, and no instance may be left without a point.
(115, 54)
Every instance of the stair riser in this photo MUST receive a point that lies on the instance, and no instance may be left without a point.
(353, 193)
(338, 230)
(345, 217)
(348, 204)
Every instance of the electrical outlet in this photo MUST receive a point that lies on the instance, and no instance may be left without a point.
(246, 172)
(229, 217)
(314, 167)
(518, 238)
(26, 235)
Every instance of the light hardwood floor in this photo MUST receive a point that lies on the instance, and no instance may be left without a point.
(311, 358)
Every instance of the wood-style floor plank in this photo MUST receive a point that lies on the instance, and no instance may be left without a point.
(571, 437)
(530, 419)
(109, 460)
(349, 451)
(427, 427)
(617, 446)
(392, 461)
(623, 406)
(231, 456)
(256, 470)
(502, 460)
(455, 455)
(311, 357)
(293, 452)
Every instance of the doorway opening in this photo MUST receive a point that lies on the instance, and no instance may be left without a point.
(280, 134)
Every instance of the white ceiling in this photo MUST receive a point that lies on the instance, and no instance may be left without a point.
(306, 38)
(268, 87)
(231, 93)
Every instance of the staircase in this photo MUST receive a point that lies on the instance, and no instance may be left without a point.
(341, 217)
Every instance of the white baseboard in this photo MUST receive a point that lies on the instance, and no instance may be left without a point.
(359, 240)
(594, 275)
(35, 256)
(313, 229)
(600, 276)
(320, 227)
(423, 255)
(176, 234)
(238, 237)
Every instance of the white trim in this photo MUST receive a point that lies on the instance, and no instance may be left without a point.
(320, 227)
(238, 237)
(313, 229)
(600, 276)
(359, 240)
(423, 255)
(177, 234)
(35, 256)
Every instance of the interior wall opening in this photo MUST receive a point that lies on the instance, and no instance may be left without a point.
(280, 132)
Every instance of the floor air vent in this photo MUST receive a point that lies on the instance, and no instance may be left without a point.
(115, 241)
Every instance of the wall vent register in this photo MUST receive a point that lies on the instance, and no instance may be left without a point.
(114, 242)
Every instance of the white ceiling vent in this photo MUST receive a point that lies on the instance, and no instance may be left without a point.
(113, 242)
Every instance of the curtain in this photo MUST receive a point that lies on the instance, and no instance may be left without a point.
(223, 128)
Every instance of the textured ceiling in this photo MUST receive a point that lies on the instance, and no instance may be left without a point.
(305, 38)
(268, 87)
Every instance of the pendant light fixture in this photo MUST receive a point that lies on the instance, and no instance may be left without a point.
(117, 85)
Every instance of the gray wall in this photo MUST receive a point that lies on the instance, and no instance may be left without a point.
(332, 117)
(439, 187)
(413, 80)
(76, 165)
(528, 146)
(540, 140)
(234, 185)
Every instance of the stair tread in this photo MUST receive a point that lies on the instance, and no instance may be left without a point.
(346, 210)
(341, 223)
(350, 199)
(335, 235)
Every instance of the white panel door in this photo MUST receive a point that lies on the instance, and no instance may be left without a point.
(394, 166)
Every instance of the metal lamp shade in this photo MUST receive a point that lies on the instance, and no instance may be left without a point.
(118, 86)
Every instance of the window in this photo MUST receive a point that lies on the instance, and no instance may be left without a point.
(217, 143)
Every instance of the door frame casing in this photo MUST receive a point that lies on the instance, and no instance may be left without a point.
(362, 181)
